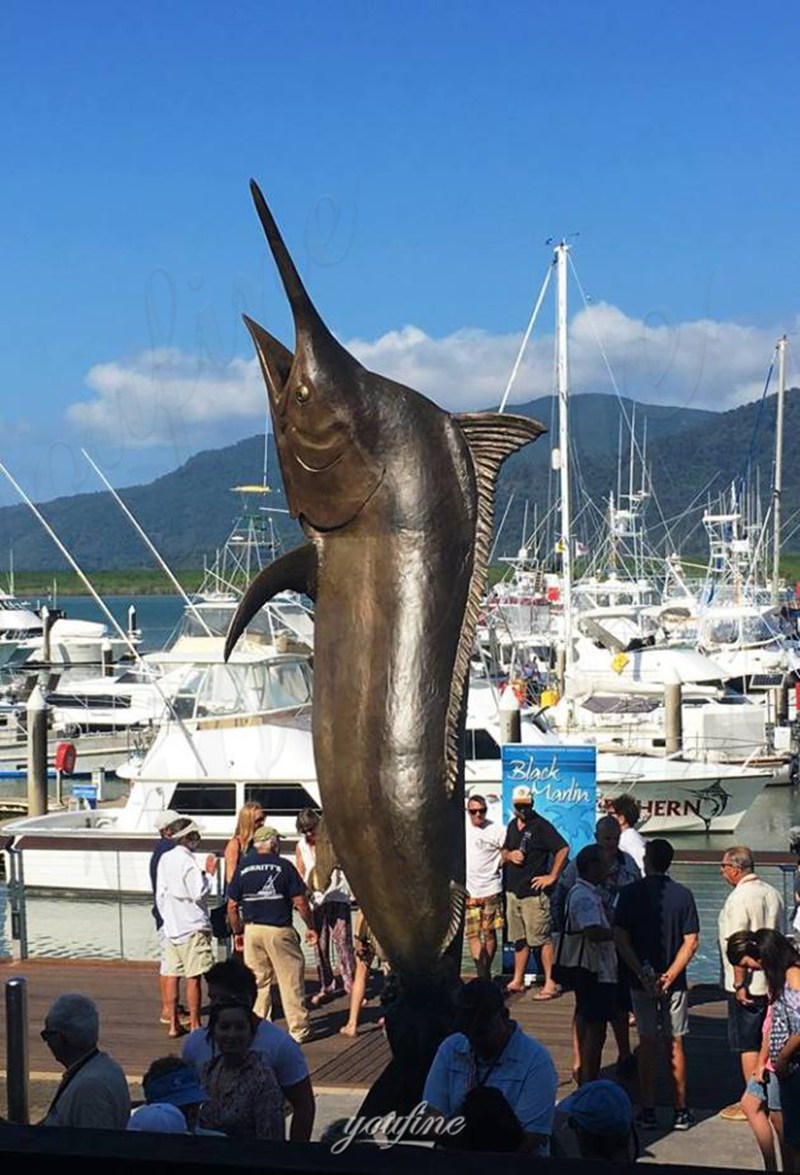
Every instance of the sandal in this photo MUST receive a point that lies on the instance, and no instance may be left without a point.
(322, 997)
(542, 996)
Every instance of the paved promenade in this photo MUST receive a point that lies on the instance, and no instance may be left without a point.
(343, 1068)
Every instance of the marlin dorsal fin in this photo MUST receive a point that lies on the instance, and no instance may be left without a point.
(491, 438)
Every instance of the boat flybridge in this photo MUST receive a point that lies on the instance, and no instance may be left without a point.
(238, 731)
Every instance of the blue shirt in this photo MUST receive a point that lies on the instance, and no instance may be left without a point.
(263, 886)
(524, 1074)
(162, 846)
(657, 913)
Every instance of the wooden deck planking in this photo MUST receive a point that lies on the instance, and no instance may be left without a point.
(127, 996)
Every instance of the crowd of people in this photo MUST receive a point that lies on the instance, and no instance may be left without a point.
(626, 934)
(611, 925)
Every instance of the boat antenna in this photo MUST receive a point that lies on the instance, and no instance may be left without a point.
(565, 541)
(526, 337)
(100, 602)
(142, 534)
(264, 485)
(777, 490)
(500, 528)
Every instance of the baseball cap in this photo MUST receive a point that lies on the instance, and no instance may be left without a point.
(521, 795)
(164, 819)
(265, 832)
(178, 1087)
(600, 1107)
(162, 1119)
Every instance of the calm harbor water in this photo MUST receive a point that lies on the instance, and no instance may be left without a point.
(157, 616)
(107, 927)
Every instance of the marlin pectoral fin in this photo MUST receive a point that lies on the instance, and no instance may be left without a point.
(295, 571)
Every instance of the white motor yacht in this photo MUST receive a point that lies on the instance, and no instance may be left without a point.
(242, 731)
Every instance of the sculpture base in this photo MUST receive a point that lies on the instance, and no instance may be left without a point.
(417, 1020)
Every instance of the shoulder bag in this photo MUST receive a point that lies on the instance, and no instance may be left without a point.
(572, 966)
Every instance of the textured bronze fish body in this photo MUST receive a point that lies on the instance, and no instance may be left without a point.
(396, 497)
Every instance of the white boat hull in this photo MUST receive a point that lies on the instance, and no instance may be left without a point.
(682, 796)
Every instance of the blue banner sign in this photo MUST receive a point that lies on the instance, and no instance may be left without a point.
(563, 785)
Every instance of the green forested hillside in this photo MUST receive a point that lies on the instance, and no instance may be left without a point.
(188, 512)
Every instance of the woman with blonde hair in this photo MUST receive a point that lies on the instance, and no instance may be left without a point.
(251, 816)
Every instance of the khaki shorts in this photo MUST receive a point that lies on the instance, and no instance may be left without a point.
(191, 957)
(666, 1015)
(484, 915)
(528, 919)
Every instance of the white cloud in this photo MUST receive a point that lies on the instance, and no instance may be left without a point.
(167, 396)
(702, 364)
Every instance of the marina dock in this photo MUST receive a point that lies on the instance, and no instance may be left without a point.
(127, 996)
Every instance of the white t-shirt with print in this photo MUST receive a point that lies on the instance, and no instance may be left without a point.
(484, 862)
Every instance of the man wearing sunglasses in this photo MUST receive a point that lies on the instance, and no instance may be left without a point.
(93, 1091)
(484, 885)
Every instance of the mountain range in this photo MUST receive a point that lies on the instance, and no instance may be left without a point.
(692, 455)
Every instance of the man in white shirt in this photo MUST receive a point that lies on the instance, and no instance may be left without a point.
(182, 889)
(596, 996)
(484, 885)
(626, 811)
(752, 905)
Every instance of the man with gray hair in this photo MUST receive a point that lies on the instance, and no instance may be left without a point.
(262, 897)
(752, 905)
(93, 1091)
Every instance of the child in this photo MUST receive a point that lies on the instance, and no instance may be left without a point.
(761, 1101)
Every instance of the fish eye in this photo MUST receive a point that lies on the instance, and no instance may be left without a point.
(302, 394)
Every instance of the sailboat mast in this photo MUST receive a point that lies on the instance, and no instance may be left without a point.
(562, 375)
(776, 493)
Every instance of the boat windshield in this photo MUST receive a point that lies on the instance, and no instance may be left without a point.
(244, 688)
(285, 617)
(748, 629)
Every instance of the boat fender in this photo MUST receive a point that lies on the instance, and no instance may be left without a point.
(65, 758)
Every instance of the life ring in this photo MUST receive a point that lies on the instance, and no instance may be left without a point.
(65, 758)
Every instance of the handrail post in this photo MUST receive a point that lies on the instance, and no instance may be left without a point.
(119, 909)
(16, 894)
(17, 1072)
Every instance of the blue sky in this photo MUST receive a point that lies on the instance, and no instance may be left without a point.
(417, 156)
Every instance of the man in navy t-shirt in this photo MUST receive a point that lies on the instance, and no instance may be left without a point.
(658, 932)
(263, 895)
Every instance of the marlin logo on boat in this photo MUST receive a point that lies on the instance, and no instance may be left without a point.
(396, 499)
(711, 802)
(706, 804)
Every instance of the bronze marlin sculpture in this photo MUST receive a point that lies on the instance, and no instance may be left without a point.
(396, 497)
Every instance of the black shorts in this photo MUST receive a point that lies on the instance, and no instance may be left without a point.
(746, 1024)
(596, 1003)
